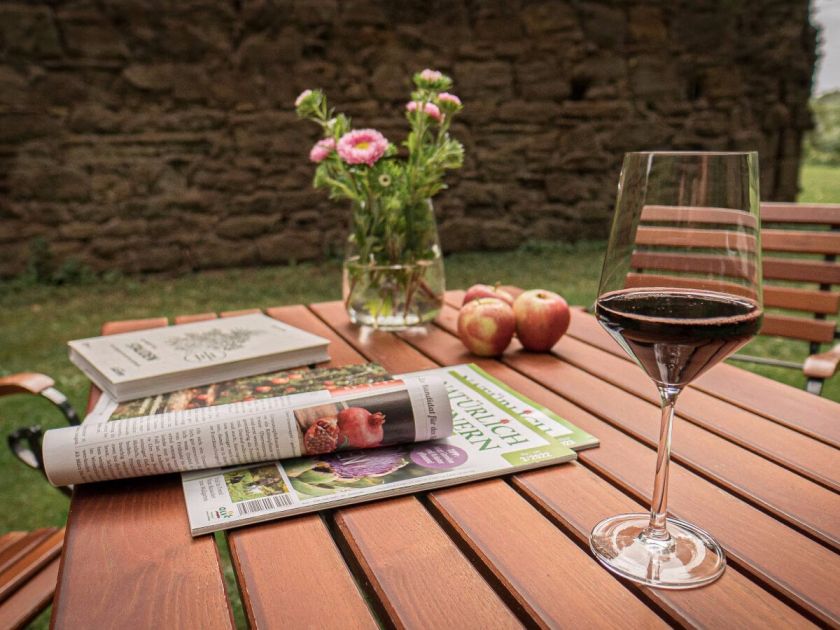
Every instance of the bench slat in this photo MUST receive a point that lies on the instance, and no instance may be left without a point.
(716, 598)
(29, 600)
(793, 327)
(825, 302)
(311, 562)
(781, 212)
(22, 546)
(692, 214)
(687, 237)
(800, 241)
(801, 270)
(635, 280)
(8, 539)
(35, 559)
(123, 539)
(693, 263)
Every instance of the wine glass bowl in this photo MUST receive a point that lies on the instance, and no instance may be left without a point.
(680, 291)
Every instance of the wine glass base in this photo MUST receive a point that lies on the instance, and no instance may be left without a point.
(687, 559)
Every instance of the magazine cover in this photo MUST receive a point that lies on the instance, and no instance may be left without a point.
(495, 431)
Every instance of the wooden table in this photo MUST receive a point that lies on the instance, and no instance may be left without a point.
(754, 462)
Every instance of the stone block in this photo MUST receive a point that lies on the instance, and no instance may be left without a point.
(244, 226)
(289, 245)
(28, 31)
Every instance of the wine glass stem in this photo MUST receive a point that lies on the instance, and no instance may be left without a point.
(659, 504)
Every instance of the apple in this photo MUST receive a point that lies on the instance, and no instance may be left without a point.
(486, 326)
(486, 291)
(541, 319)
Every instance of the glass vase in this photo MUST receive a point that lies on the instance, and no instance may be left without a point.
(396, 280)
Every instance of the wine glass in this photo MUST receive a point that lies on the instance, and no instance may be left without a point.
(680, 291)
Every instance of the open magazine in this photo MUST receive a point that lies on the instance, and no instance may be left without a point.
(347, 409)
(496, 431)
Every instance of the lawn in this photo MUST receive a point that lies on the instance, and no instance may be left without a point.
(37, 320)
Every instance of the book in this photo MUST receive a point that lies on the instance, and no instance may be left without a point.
(496, 431)
(136, 364)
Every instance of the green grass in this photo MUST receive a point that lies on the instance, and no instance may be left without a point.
(820, 184)
(37, 321)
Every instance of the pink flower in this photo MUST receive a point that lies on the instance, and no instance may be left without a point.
(362, 146)
(431, 75)
(301, 97)
(451, 99)
(430, 109)
(322, 150)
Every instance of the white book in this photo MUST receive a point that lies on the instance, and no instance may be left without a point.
(147, 362)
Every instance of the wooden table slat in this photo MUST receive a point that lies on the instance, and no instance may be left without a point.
(418, 574)
(781, 558)
(804, 454)
(789, 406)
(578, 498)
(553, 579)
(128, 553)
(785, 493)
(291, 572)
(311, 563)
(196, 317)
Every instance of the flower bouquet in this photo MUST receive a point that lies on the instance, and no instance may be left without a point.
(393, 267)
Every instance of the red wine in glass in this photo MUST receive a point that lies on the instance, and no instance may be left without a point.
(677, 334)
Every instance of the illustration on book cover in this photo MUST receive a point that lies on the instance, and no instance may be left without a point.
(211, 345)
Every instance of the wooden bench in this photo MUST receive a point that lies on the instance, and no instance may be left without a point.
(28, 573)
(800, 244)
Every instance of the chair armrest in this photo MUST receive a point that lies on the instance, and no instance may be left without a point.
(38, 385)
(822, 365)
(25, 383)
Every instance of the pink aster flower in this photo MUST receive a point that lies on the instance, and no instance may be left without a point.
(430, 109)
(322, 150)
(451, 99)
(301, 97)
(362, 146)
(431, 75)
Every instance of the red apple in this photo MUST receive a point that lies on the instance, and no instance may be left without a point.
(541, 319)
(486, 326)
(486, 291)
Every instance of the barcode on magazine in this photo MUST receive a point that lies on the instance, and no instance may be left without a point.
(261, 505)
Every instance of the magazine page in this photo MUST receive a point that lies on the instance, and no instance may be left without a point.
(411, 409)
(495, 431)
(242, 390)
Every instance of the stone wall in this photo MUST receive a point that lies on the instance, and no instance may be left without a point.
(149, 135)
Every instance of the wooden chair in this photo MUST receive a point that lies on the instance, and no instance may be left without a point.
(800, 244)
(29, 560)
(28, 572)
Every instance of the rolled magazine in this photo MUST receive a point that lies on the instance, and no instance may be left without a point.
(415, 408)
